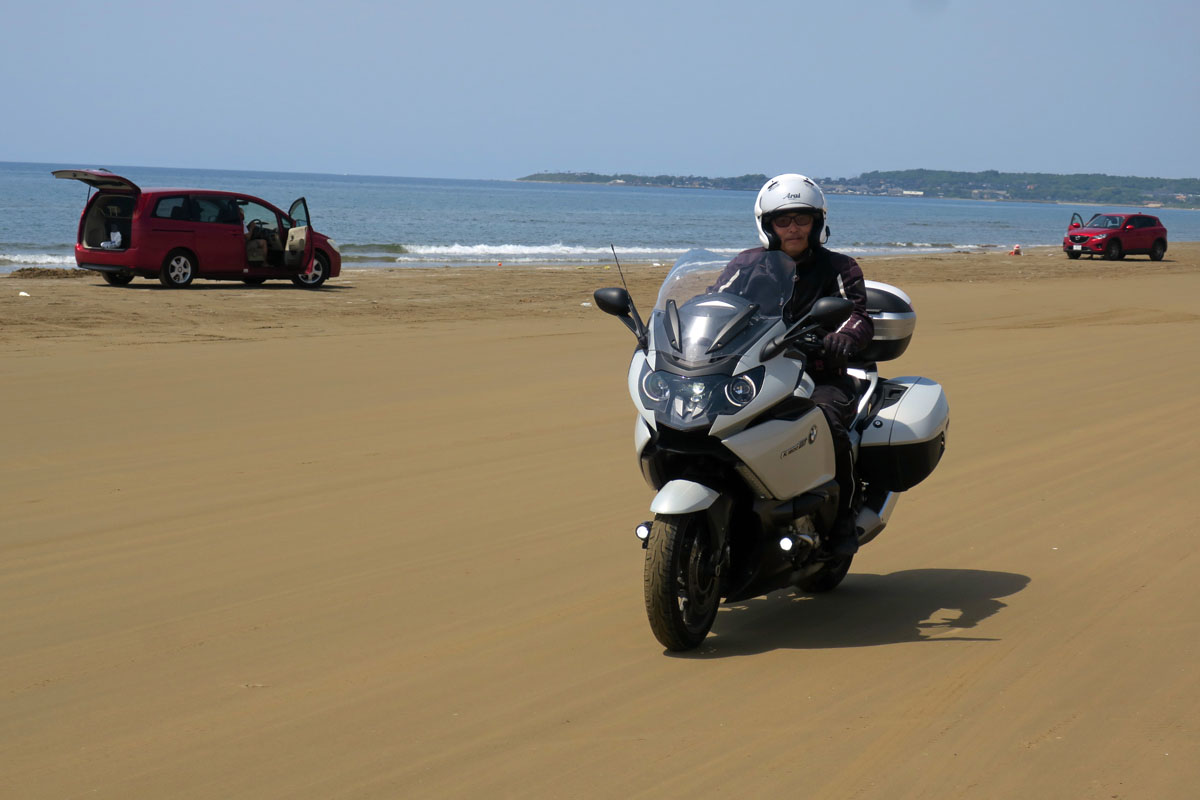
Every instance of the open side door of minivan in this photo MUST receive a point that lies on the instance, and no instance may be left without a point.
(299, 253)
(98, 179)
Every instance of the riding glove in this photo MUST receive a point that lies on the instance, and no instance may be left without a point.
(837, 349)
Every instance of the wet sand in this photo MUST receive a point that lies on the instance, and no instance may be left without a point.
(375, 541)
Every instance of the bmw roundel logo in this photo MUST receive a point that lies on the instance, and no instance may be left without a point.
(812, 435)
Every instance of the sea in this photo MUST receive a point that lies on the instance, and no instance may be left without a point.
(382, 221)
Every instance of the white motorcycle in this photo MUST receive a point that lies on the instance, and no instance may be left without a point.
(741, 458)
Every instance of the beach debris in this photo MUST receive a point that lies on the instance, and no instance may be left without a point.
(586, 305)
(23, 294)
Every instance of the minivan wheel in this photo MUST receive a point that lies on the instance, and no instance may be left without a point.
(320, 272)
(1114, 251)
(178, 270)
(1158, 250)
(117, 278)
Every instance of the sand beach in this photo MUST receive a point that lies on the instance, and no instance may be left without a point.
(375, 541)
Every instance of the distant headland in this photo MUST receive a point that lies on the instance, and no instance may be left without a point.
(1038, 187)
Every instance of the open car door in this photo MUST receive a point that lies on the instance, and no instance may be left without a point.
(1076, 221)
(299, 252)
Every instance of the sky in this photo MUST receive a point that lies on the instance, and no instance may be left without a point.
(473, 89)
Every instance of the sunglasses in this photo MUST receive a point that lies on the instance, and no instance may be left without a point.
(785, 221)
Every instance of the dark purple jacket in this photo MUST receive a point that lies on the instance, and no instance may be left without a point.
(819, 273)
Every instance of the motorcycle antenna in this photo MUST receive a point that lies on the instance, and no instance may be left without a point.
(637, 319)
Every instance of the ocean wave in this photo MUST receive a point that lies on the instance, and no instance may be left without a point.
(921, 245)
(530, 254)
(458, 254)
(373, 248)
(34, 260)
(558, 250)
(6, 246)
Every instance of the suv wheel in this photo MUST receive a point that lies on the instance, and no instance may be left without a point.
(178, 270)
(1071, 254)
(1114, 251)
(1158, 250)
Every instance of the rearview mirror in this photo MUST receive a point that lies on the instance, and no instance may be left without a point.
(613, 300)
(616, 301)
(830, 312)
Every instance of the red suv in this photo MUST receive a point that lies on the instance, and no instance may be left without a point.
(1115, 236)
(177, 235)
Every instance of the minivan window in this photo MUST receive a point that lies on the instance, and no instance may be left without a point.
(253, 211)
(172, 208)
(216, 209)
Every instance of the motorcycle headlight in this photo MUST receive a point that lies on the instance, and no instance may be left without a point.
(655, 386)
(741, 390)
(693, 398)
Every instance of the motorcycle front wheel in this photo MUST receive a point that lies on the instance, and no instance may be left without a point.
(680, 581)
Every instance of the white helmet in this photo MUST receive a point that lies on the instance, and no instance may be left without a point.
(786, 193)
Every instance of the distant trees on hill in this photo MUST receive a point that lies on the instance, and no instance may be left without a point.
(1034, 186)
(986, 185)
(743, 182)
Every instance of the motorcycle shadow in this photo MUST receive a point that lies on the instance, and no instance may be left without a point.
(909, 606)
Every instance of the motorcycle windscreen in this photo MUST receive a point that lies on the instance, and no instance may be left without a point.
(764, 278)
(709, 309)
(707, 329)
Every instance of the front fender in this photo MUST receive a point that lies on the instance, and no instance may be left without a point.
(683, 497)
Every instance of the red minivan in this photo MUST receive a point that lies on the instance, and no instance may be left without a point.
(177, 235)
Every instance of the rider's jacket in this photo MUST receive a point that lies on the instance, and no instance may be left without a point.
(819, 273)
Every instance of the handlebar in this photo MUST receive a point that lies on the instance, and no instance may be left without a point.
(807, 339)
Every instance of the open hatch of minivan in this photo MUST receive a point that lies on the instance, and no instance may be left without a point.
(98, 179)
(107, 222)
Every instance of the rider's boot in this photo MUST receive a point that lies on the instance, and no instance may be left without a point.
(843, 537)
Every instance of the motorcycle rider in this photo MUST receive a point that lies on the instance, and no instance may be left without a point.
(791, 215)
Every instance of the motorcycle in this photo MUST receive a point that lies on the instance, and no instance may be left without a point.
(741, 458)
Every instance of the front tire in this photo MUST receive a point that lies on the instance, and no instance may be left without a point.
(178, 270)
(117, 278)
(320, 271)
(1114, 251)
(1158, 250)
(681, 586)
(1071, 254)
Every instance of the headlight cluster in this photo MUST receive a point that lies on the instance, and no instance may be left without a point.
(1100, 236)
(688, 398)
